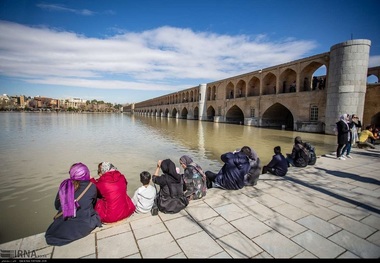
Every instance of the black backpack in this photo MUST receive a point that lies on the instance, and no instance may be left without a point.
(312, 155)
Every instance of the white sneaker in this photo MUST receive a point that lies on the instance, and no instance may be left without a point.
(341, 158)
(349, 156)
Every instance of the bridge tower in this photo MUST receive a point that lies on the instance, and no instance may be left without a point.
(202, 102)
(347, 78)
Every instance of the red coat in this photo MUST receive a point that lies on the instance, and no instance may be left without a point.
(113, 202)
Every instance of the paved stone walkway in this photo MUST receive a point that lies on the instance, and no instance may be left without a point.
(330, 210)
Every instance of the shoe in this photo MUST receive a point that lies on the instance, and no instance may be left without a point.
(349, 156)
(341, 158)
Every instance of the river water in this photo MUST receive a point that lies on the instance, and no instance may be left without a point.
(37, 150)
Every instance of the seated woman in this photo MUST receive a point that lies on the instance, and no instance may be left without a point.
(75, 203)
(300, 155)
(113, 202)
(171, 198)
(231, 176)
(194, 179)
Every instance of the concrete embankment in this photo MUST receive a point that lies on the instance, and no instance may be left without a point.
(329, 210)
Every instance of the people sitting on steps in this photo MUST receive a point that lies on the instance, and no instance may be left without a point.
(364, 136)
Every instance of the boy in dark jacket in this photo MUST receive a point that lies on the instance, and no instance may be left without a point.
(278, 165)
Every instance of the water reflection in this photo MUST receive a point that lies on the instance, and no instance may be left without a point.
(37, 149)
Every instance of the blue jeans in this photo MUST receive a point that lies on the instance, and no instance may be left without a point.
(347, 149)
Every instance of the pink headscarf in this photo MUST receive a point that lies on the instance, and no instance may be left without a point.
(78, 171)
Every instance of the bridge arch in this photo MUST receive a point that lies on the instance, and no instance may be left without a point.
(184, 113)
(276, 116)
(235, 115)
(254, 87)
(375, 119)
(229, 91)
(269, 84)
(210, 113)
(241, 89)
(196, 113)
(174, 113)
(287, 78)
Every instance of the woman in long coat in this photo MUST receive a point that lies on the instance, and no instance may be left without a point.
(113, 202)
(75, 219)
(343, 135)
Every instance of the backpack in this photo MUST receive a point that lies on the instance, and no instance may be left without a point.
(312, 155)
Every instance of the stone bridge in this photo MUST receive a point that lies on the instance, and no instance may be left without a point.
(306, 95)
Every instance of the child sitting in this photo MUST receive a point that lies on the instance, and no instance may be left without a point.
(143, 197)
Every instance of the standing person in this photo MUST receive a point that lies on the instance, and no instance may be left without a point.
(355, 126)
(113, 202)
(194, 178)
(75, 203)
(171, 198)
(299, 156)
(353, 123)
(278, 165)
(231, 176)
(347, 148)
(143, 197)
(343, 135)
(315, 83)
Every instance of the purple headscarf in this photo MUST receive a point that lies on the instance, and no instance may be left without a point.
(80, 172)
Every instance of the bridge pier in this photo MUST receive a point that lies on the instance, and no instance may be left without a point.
(347, 80)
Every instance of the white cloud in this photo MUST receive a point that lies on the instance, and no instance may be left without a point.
(165, 58)
(374, 61)
(62, 8)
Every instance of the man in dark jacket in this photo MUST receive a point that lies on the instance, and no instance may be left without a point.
(278, 165)
(231, 176)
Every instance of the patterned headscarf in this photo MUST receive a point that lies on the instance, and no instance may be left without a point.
(168, 167)
(80, 172)
(188, 161)
(106, 166)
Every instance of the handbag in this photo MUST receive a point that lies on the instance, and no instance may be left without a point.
(154, 209)
(79, 197)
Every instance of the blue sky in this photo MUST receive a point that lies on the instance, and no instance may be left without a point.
(123, 51)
